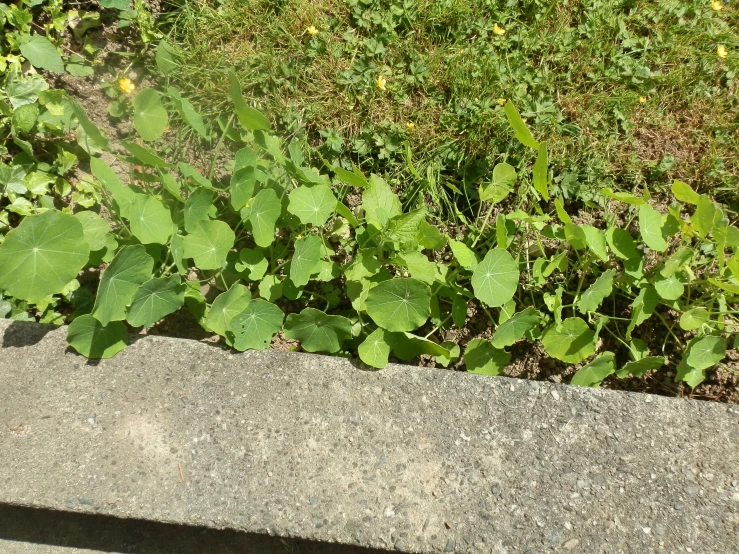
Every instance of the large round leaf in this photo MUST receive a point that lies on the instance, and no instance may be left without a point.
(253, 328)
(155, 299)
(226, 306)
(150, 219)
(209, 243)
(572, 342)
(149, 116)
(41, 53)
(91, 339)
(312, 204)
(42, 255)
(399, 304)
(318, 332)
(495, 278)
(375, 349)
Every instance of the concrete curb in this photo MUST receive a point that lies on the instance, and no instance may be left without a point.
(311, 447)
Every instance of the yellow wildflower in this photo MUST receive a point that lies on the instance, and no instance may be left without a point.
(381, 82)
(126, 85)
(247, 202)
(717, 6)
(502, 101)
(312, 30)
(498, 30)
(410, 125)
(722, 52)
(643, 99)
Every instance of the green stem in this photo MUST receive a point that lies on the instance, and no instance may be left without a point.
(218, 147)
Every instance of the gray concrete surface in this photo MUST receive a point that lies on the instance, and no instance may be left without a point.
(313, 448)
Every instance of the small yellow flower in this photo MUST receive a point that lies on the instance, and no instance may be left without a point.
(717, 6)
(312, 31)
(722, 52)
(381, 82)
(126, 85)
(247, 202)
(502, 101)
(498, 30)
(410, 125)
(642, 99)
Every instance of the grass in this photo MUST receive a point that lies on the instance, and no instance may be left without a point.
(627, 93)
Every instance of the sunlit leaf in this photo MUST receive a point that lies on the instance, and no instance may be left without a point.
(317, 331)
(593, 374)
(399, 304)
(94, 340)
(572, 341)
(482, 358)
(254, 328)
(495, 279)
(209, 244)
(156, 299)
(131, 268)
(150, 118)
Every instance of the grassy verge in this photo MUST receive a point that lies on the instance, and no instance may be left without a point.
(626, 93)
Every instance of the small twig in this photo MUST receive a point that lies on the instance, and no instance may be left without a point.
(182, 477)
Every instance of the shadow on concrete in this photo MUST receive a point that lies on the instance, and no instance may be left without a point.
(131, 536)
(25, 333)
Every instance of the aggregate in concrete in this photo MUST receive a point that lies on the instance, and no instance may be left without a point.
(316, 448)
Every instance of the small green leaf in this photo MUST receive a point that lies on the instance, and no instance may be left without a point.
(482, 358)
(263, 213)
(540, 172)
(403, 228)
(669, 288)
(115, 4)
(375, 349)
(41, 53)
(596, 241)
(145, 156)
(165, 58)
(226, 306)
(430, 237)
(254, 328)
(683, 193)
(252, 264)
(706, 216)
(622, 244)
(270, 288)
(420, 267)
(520, 130)
(642, 308)
(380, 203)
(93, 340)
(305, 259)
(42, 255)
(650, 226)
(459, 310)
(189, 172)
(399, 304)
(242, 186)
(640, 367)
(706, 352)
(156, 299)
(572, 341)
(677, 261)
(318, 332)
(312, 204)
(209, 244)
(593, 374)
(92, 139)
(351, 178)
(250, 119)
(95, 229)
(495, 279)
(131, 268)
(516, 327)
(150, 119)
(464, 256)
(625, 197)
(601, 289)
(150, 220)
(504, 177)
(407, 346)
(198, 207)
(694, 319)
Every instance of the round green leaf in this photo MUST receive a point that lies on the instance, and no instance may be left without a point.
(150, 220)
(95, 228)
(572, 342)
(504, 177)
(670, 288)
(399, 304)
(312, 204)
(650, 227)
(241, 187)
(226, 306)
(639, 367)
(622, 244)
(131, 267)
(254, 328)
(252, 264)
(601, 289)
(263, 212)
(41, 53)
(694, 319)
(495, 279)
(592, 374)
(305, 259)
(375, 349)
(318, 332)
(482, 358)
(93, 340)
(155, 299)
(209, 243)
(706, 352)
(42, 255)
(516, 327)
(198, 208)
(150, 119)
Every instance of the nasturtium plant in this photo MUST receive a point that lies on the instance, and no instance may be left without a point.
(571, 341)
(155, 299)
(495, 279)
(209, 244)
(254, 327)
(318, 332)
(401, 304)
(92, 339)
(483, 358)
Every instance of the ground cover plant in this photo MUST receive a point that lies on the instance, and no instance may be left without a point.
(275, 240)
